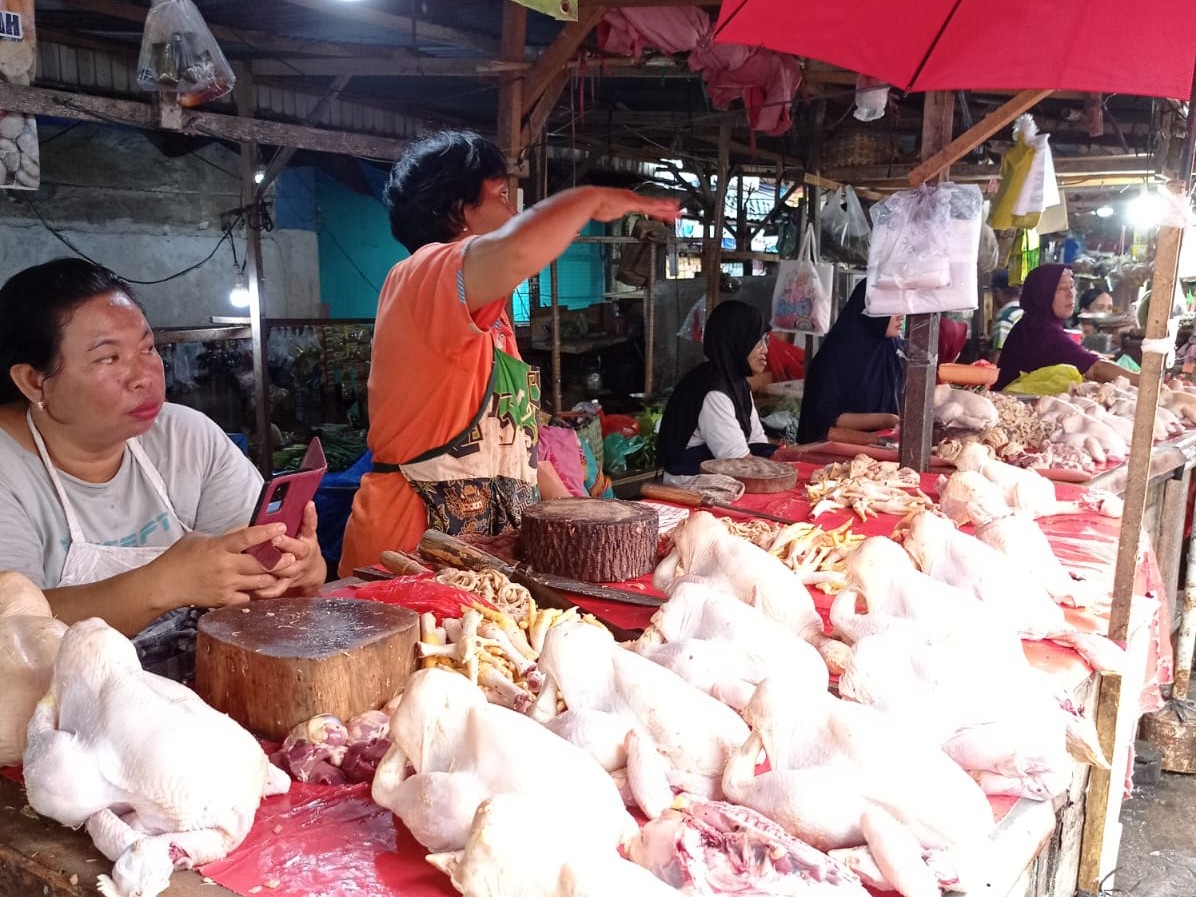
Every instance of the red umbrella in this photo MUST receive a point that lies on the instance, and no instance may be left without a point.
(1145, 48)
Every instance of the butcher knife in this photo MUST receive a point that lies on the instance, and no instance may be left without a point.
(695, 499)
(546, 588)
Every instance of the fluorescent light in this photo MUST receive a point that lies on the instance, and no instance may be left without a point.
(238, 296)
(1104, 212)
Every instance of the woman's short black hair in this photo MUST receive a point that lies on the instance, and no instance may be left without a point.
(35, 305)
(1089, 296)
(434, 180)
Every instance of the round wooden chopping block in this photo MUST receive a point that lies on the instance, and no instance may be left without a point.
(274, 663)
(756, 474)
(592, 539)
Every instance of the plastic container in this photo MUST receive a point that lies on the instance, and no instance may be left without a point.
(968, 374)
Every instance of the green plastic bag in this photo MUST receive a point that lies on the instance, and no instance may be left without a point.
(616, 449)
(1051, 380)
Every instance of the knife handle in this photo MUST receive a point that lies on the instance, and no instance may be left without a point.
(401, 563)
(455, 553)
(674, 494)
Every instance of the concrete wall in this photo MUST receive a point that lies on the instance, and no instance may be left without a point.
(120, 200)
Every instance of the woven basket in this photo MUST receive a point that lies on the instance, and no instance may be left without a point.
(855, 146)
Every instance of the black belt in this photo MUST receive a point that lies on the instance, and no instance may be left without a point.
(383, 467)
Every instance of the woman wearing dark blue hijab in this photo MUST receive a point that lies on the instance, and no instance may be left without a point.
(856, 378)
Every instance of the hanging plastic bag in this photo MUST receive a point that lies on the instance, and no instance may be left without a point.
(1017, 167)
(963, 243)
(693, 328)
(801, 298)
(909, 249)
(871, 98)
(178, 53)
(845, 230)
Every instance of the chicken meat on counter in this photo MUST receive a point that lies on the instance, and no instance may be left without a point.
(161, 780)
(29, 639)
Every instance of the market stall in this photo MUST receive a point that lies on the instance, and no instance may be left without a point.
(316, 836)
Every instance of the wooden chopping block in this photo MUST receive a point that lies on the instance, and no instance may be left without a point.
(591, 539)
(756, 474)
(274, 663)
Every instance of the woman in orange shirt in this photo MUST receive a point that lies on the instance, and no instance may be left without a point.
(452, 406)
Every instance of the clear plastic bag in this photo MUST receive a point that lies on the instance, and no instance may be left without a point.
(910, 250)
(178, 53)
(693, 328)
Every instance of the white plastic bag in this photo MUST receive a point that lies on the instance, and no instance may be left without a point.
(909, 248)
(801, 298)
(963, 243)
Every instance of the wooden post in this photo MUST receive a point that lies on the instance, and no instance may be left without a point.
(510, 88)
(922, 331)
(649, 322)
(1104, 786)
(555, 292)
(243, 93)
(713, 256)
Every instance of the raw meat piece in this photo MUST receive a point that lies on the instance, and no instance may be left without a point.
(674, 735)
(704, 549)
(464, 750)
(29, 639)
(519, 847)
(162, 780)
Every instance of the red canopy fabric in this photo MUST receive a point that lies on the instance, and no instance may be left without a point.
(1146, 48)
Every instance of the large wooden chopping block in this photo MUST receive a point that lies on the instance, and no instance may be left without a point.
(271, 664)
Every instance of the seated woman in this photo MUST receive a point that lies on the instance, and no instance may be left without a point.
(1038, 339)
(115, 503)
(711, 413)
(1094, 301)
(857, 375)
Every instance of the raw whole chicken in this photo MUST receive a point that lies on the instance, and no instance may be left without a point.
(963, 408)
(968, 496)
(939, 661)
(1071, 419)
(29, 638)
(162, 780)
(712, 847)
(722, 646)
(1025, 490)
(954, 557)
(1023, 543)
(673, 735)
(451, 750)
(845, 775)
(703, 548)
(518, 847)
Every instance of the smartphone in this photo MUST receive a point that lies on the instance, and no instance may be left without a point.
(283, 498)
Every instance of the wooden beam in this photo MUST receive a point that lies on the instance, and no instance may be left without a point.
(538, 117)
(713, 250)
(511, 85)
(434, 67)
(258, 40)
(286, 153)
(559, 52)
(402, 25)
(827, 184)
(922, 330)
(975, 135)
(1073, 166)
(61, 104)
(633, 4)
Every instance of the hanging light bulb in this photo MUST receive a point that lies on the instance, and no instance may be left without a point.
(1144, 210)
(1104, 212)
(238, 296)
(259, 175)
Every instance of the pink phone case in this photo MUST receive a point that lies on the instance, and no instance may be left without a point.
(283, 499)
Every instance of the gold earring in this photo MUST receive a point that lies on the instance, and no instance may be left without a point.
(41, 405)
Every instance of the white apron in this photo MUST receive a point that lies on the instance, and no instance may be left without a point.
(167, 645)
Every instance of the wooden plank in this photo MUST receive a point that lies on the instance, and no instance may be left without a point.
(511, 85)
(404, 25)
(259, 40)
(829, 184)
(559, 52)
(713, 250)
(39, 856)
(922, 331)
(971, 138)
(431, 67)
(543, 108)
(284, 155)
(62, 104)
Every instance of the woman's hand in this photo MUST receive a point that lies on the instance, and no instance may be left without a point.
(302, 569)
(614, 203)
(213, 571)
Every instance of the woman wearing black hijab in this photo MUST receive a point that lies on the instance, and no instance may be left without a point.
(711, 413)
(855, 379)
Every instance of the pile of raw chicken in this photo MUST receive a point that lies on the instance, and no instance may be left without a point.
(717, 725)
(1088, 427)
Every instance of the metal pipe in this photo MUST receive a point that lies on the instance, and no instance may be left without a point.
(1185, 643)
(556, 337)
(649, 322)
